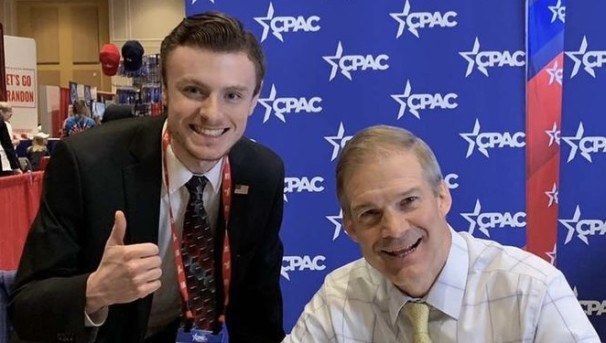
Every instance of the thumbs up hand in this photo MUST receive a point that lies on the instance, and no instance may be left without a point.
(125, 273)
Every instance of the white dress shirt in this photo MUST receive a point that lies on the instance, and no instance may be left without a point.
(485, 293)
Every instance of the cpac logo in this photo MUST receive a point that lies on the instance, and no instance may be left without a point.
(421, 20)
(422, 101)
(350, 63)
(493, 220)
(489, 59)
(295, 184)
(591, 307)
(338, 141)
(449, 180)
(194, 1)
(280, 25)
(589, 59)
(281, 106)
(558, 12)
(555, 73)
(492, 140)
(588, 145)
(582, 227)
(301, 263)
(554, 134)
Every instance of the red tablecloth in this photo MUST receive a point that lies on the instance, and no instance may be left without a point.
(19, 202)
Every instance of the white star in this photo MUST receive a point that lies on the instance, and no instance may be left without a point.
(268, 104)
(335, 65)
(552, 254)
(401, 19)
(261, 21)
(574, 147)
(553, 195)
(337, 141)
(554, 134)
(558, 12)
(472, 142)
(571, 229)
(578, 60)
(555, 74)
(471, 218)
(471, 61)
(337, 222)
(401, 99)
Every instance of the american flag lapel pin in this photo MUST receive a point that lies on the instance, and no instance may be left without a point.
(241, 189)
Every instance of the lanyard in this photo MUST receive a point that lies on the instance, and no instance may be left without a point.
(226, 255)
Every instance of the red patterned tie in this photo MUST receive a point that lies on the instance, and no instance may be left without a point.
(198, 258)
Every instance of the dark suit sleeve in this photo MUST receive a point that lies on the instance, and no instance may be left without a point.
(258, 315)
(48, 297)
(7, 145)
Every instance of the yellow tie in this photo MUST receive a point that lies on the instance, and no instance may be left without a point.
(418, 313)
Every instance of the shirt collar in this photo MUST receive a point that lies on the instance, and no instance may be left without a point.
(446, 294)
(178, 174)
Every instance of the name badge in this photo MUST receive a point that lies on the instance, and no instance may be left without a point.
(202, 336)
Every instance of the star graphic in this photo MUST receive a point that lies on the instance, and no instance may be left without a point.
(337, 221)
(268, 17)
(552, 254)
(578, 60)
(554, 134)
(471, 218)
(335, 65)
(401, 19)
(558, 12)
(471, 61)
(569, 225)
(337, 141)
(268, 104)
(553, 195)
(472, 142)
(573, 146)
(401, 99)
(555, 74)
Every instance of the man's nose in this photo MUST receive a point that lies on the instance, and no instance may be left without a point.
(393, 224)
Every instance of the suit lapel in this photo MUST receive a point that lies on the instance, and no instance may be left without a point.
(143, 182)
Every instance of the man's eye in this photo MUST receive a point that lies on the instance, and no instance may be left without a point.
(409, 201)
(191, 90)
(233, 96)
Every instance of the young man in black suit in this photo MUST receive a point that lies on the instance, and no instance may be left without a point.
(100, 263)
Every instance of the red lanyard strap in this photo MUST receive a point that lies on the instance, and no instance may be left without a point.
(226, 255)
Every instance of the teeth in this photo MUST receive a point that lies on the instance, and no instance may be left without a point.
(208, 132)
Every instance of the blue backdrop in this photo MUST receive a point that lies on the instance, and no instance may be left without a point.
(455, 74)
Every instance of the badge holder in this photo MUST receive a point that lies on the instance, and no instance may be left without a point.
(202, 336)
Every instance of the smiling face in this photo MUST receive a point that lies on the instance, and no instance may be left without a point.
(209, 96)
(399, 220)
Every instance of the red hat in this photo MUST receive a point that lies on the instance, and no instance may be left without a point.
(110, 59)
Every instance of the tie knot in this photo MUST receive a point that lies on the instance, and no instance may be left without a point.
(418, 314)
(196, 185)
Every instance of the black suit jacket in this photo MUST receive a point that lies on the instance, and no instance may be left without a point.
(7, 144)
(118, 166)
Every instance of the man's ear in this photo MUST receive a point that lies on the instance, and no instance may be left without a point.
(444, 198)
(349, 228)
(255, 99)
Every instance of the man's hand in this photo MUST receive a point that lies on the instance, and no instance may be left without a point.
(126, 272)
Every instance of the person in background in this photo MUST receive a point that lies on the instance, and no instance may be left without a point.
(7, 113)
(419, 280)
(37, 150)
(9, 163)
(79, 121)
(161, 226)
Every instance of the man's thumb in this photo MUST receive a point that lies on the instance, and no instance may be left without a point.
(118, 231)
